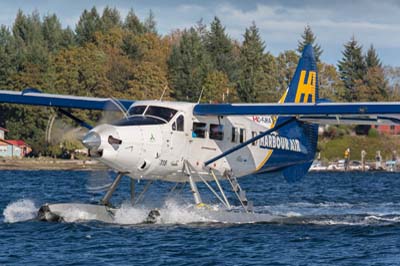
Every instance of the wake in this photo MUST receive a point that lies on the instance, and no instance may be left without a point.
(176, 213)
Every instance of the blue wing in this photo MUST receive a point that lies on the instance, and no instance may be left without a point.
(35, 97)
(324, 113)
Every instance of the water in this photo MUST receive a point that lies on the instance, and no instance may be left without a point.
(328, 219)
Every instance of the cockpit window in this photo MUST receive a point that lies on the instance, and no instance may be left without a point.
(180, 123)
(137, 110)
(162, 112)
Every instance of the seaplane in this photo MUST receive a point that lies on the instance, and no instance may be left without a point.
(184, 142)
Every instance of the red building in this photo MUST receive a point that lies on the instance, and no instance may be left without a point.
(388, 129)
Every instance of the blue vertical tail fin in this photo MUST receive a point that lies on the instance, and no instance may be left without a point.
(303, 87)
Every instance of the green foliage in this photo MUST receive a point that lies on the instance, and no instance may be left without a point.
(150, 23)
(372, 59)
(333, 149)
(133, 24)
(286, 66)
(188, 66)
(89, 22)
(216, 87)
(352, 68)
(252, 79)
(308, 37)
(220, 49)
(373, 133)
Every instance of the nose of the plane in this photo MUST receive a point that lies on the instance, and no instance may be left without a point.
(92, 140)
(102, 137)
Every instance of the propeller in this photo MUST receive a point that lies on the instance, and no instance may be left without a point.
(60, 133)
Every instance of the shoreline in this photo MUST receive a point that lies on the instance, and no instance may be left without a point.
(50, 164)
(45, 163)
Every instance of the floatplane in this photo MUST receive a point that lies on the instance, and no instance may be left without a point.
(187, 142)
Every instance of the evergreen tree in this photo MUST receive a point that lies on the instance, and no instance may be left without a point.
(219, 46)
(150, 23)
(372, 59)
(201, 29)
(110, 19)
(188, 66)
(52, 32)
(352, 68)
(308, 37)
(68, 38)
(133, 24)
(251, 80)
(374, 85)
(7, 57)
(89, 22)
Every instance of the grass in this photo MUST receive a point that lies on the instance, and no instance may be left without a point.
(333, 149)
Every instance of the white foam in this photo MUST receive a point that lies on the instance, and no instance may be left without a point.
(130, 215)
(174, 213)
(170, 213)
(21, 210)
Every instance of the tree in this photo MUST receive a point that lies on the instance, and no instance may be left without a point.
(148, 82)
(373, 87)
(251, 73)
(216, 87)
(89, 22)
(52, 32)
(219, 47)
(308, 37)
(372, 59)
(188, 66)
(150, 23)
(68, 38)
(110, 19)
(352, 68)
(133, 24)
(330, 85)
(286, 66)
(7, 57)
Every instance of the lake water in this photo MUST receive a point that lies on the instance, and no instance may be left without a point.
(329, 219)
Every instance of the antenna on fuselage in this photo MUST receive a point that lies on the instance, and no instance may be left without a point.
(201, 94)
(162, 95)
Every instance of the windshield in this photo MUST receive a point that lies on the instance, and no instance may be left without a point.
(137, 110)
(164, 113)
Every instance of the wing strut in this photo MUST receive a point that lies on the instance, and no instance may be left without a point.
(244, 144)
(76, 119)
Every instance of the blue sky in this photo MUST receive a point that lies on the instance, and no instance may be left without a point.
(281, 22)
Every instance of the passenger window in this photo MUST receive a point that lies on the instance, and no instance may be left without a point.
(242, 135)
(235, 134)
(216, 132)
(254, 134)
(199, 130)
(180, 123)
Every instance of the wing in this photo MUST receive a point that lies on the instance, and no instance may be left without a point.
(35, 97)
(320, 113)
